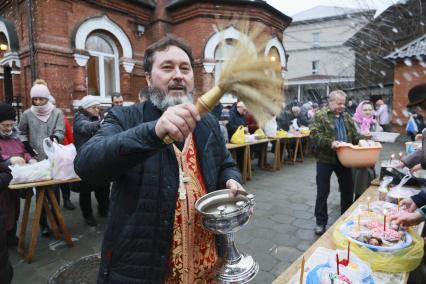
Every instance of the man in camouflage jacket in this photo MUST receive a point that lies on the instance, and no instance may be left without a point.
(330, 127)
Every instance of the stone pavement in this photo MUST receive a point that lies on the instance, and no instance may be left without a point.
(280, 230)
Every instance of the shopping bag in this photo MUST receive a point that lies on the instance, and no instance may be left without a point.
(259, 133)
(271, 128)
(61, 158)
(412, 126)
(282, 133)
(31, 172)
(239, 136)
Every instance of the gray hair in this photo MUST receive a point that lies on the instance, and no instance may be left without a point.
(334, 94)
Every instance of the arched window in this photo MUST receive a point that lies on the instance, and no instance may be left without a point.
(102, 68)
(274, 58)
(222, 51)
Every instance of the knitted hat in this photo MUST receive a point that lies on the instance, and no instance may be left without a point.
(7, 112)
(40, 91)
(89, 101)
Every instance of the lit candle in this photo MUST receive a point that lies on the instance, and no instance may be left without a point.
(337, 262)
(349, 250)
(400, 156)
(302, 269)
(368, 204)
(392, 157)
(384, 220)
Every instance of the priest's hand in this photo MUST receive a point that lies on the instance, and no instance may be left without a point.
(177, 122)
(234, 187)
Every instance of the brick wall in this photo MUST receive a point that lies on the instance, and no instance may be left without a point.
(405, 77)
(55, 23)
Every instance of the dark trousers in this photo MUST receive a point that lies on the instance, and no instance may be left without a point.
(344, 177)
(65, 190)
(101, 194)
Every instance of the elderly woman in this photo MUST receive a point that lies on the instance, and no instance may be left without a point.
(40, 121)
(87, 121)
(365, 123)
(12, 152)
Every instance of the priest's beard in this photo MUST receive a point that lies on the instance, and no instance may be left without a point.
(162, 101)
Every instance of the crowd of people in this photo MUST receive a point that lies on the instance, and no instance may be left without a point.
(148, 187)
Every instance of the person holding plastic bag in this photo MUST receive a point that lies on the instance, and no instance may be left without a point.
(365, 123)
(13, 153)
(40, 121)
(68, 139)
(86, 122)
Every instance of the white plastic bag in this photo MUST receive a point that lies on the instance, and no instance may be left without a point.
(31, 172)
(61, 158)
(271, 128)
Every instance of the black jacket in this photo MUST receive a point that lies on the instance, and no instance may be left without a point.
(126, 150)
(235, 120)
(6, 271)
(85, 126)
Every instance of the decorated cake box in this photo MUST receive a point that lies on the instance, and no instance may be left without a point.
(321, 268)
(373, 230)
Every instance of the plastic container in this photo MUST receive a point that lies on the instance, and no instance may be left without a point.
(384, 136)
(352, 156)
(410, 147)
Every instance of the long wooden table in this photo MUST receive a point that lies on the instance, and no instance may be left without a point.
(326, 240)
(246, 173)
(44, 189)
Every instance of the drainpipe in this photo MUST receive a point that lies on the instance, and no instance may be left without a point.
(31, 40)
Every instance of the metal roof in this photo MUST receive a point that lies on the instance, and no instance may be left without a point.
(416, 48)
(321, 12)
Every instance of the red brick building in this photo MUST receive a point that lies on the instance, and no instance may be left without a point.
(85, 47)
(409, 71)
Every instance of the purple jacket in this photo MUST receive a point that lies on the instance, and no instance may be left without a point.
(9, 199)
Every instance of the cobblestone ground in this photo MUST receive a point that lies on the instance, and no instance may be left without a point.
(281, 228)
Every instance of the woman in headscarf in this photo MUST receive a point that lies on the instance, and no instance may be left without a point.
(365, 123)
(40, 121)
(12, 152)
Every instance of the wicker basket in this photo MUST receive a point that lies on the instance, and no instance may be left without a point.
(352, 156)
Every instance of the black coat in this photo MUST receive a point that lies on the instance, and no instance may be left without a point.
(6, 271)
(126, 150)
(235, 120)
(85, 126)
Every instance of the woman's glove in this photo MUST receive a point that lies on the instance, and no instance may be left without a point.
(29, 149)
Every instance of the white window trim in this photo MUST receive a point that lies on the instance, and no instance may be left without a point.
(316, 44)
(211, 45)
(9, 57)
(106, 24)
(281, 51)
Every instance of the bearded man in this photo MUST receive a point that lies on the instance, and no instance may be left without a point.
(154, 234)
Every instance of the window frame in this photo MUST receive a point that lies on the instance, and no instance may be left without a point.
(316, 43)
(315, 66)
(101, 61)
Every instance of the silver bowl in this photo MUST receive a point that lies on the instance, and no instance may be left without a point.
(224, 214)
